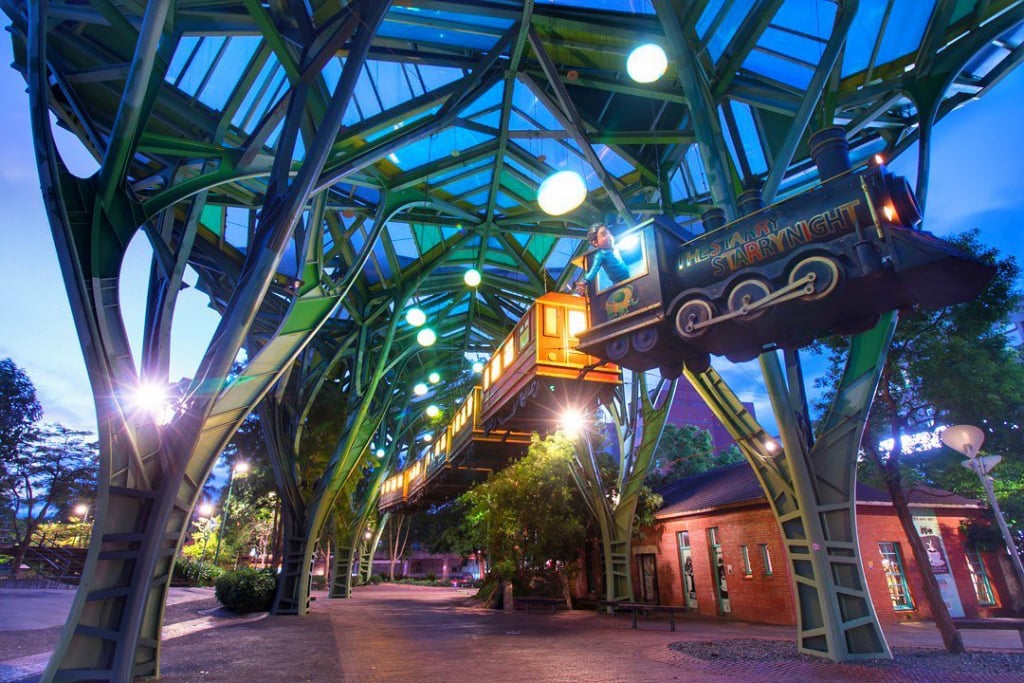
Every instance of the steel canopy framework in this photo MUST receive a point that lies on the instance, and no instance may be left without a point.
(324, 165)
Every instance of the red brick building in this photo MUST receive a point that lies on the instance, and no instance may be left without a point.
(717, 548)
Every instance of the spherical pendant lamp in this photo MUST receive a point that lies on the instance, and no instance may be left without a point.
(561, 192)
(646, 63)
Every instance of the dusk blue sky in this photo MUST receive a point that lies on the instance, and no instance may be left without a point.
(977, 181)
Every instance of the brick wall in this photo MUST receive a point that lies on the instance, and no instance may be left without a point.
(768, 597)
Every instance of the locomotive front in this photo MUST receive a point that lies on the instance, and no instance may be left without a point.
(827, 261)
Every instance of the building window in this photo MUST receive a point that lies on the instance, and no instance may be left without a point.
(767, 558)
(979, 577)
(895, 578)
(745, 552)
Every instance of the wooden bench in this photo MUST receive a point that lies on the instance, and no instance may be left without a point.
(994, 624)
(553, 603)
(646, 609)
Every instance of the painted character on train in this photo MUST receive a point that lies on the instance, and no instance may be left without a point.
(607, 257)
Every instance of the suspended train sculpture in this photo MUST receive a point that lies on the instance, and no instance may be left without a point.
(829, 260)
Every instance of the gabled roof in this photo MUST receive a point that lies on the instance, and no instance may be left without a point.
(737, 484)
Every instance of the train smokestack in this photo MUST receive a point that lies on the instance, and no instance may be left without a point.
(749, 201)
(830, 152)
(712, 219)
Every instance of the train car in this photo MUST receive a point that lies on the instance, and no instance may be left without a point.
(829, 260)
(538, 372)
(535, 374)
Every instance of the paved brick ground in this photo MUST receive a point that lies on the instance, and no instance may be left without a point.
(392, 634)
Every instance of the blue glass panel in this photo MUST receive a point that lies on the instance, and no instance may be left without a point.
(727, 29)
(777, 69)
(517, 121)
(805, 49)
(380, 256)
(224, 78)
(526, 171)
(390, 80)
(813, 17)
(677, 183)
(435, 77)
(611, 160)
(526, 102)
(357, 239)
(236, 228)
(905, 29)
(365, 95)
(491, 118)
(696, 168)
(489, 99)
(402, 241)
(748, 135)
(263, 93)
(384, 132)
(707, 16)
(631, 6)
(478, 198)
(480, 179)
(196, 71)
(730, 145)
(861, 39)
(181, 55)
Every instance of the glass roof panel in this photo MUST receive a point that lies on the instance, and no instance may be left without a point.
(777, 69)
(260, 96)
(561, 253)
(402, 241)
(195, 72)
(529, 106)
(905, 29)
(696, 167)
(860, 42)
(181, 57)
(734, 16)
(540, 246)
(630, 6)
(799, 47)
(525, 170)
(434, 77)
(224, 78)
(711, 10)
(427, 236)
(212, 218)
(236, 228)
(751, 142)
(489, 99)
(611, 160)
(813, 17)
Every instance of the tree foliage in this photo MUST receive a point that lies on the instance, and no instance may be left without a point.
(685, 451)
(19, 409)
(530, 516)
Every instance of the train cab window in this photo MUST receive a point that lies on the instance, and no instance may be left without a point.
(551, 321)
(496, 367)
(577, 323)
(632, 249)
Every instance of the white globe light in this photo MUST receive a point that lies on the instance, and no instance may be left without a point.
(646, 63)
(420, 389)
(478, 367)
(426, 337)
(415, 317)
(472, 277)
(433, 411)
(434, 377)
(561, 192)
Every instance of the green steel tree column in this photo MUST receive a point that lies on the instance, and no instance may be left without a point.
(638, 426)
(812, 493)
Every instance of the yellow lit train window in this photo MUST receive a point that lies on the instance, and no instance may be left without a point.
(509, 353)
(525, 333)
(577, 323)
(496, 368)
(551, 320)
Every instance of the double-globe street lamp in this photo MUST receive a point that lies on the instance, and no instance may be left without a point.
(967, 439)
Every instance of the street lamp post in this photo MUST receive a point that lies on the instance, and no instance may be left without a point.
(240, 469)
(967, 439)
(206, 512)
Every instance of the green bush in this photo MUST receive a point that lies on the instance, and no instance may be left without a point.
(318, 582)
(246, 590)
(191, 572)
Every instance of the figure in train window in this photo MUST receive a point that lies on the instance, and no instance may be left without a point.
(610, 264)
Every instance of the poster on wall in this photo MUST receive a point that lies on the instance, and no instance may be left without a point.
(928, 529)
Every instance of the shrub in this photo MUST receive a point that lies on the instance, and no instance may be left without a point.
(191, 572)
(246, 590)
(318, 582)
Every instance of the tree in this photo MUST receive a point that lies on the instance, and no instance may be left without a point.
(530, 517)
(19, 409)
(685, 451)
(43, 477)
(943, 366)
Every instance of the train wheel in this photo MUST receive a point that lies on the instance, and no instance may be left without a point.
(746, 293)
(826, 276)
(691, 314)
(644, 340)
(617, 349)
